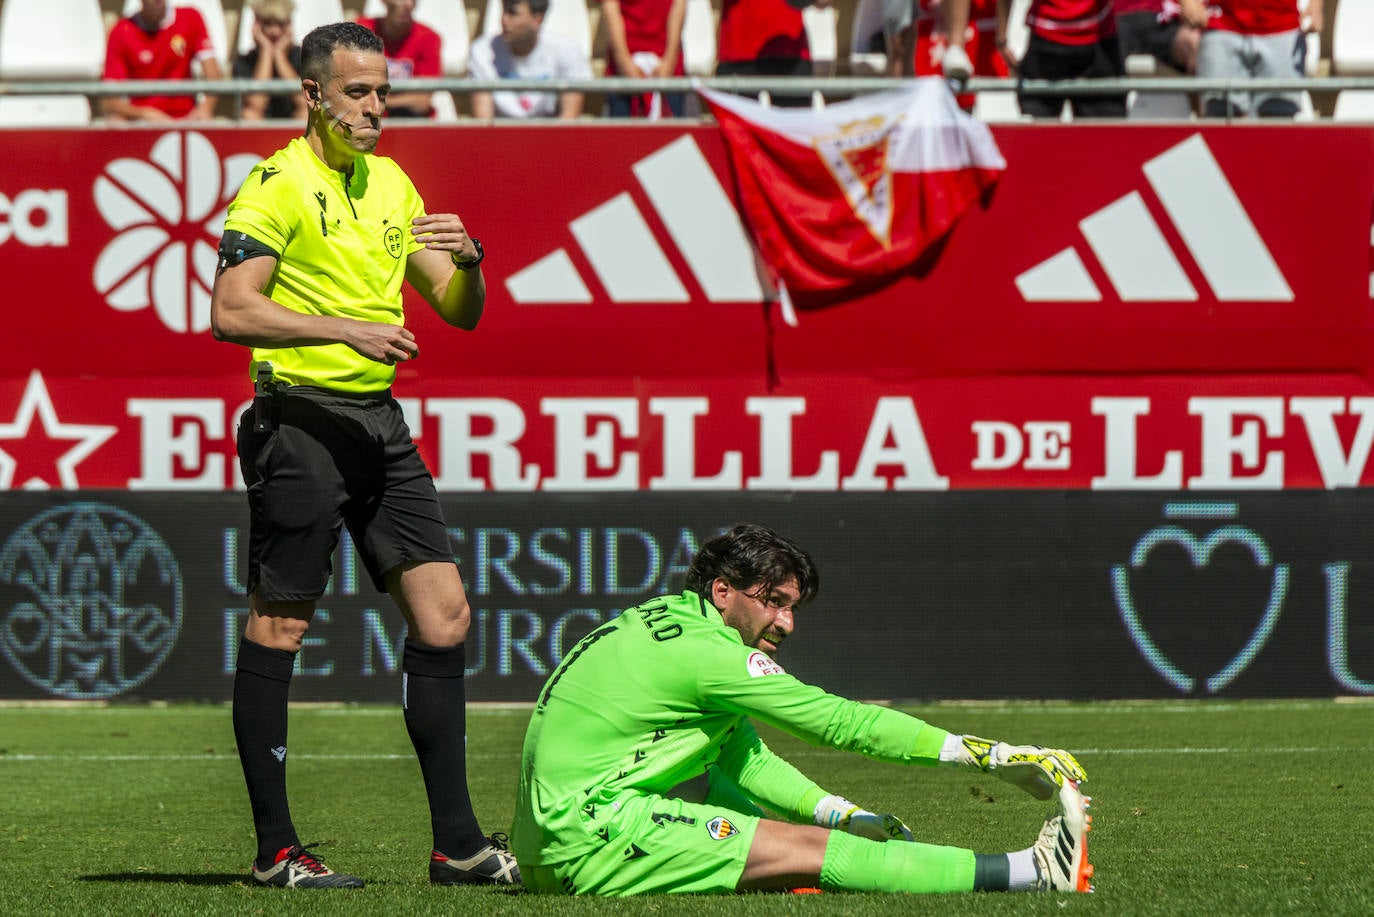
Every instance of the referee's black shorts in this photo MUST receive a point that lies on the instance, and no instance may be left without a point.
(334, 459)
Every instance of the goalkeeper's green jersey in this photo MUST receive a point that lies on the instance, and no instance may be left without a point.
(657, 696)
(341, 243)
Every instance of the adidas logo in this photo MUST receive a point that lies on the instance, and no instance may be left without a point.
(1139, 261)
(627, 259)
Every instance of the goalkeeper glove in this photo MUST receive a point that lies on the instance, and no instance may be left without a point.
(1039, 771)
(839, 814)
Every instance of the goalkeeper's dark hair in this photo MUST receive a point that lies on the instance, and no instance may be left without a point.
(319, 45)
(751, 555)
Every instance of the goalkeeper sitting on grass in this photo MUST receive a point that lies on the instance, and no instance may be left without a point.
(641, 773)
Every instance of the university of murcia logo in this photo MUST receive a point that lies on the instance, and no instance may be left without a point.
(90, 601)
(857, 158)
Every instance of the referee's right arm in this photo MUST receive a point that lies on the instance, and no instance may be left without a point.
(241, 314)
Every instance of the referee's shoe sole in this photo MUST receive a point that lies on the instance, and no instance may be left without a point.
(1061, 853)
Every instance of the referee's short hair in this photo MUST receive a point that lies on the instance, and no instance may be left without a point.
(319, 45)
(751, 556)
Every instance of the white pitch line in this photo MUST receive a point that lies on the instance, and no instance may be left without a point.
(105, 759)
(1302, 750)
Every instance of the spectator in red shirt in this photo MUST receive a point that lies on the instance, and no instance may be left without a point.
(1069, 39)
(974, 51)
(644, 39)
(1252, 38)
(765, 38)
(159, 42)
(412, 50)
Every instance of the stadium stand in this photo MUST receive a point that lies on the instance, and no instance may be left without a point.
(50, 40)
(1352, 54)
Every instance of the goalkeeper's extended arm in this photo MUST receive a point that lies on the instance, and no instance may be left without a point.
(839, 814)
(1037, 770)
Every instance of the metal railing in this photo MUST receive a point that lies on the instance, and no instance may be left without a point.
(830, 88)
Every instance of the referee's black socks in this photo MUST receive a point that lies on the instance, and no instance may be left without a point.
(260, 692)
(435, 702)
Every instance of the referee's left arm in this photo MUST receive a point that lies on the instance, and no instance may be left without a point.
(447, 271)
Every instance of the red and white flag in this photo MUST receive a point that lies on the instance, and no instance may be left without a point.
(855, 192)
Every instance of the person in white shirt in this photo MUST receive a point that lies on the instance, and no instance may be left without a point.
(522, 52)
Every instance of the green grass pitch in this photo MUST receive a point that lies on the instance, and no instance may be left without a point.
(1200, 807)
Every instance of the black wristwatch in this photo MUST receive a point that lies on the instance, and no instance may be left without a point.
(469, 265)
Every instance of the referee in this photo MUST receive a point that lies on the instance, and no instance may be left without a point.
(315, 247)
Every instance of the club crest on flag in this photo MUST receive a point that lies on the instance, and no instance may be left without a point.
(851, 195)
(857, 157)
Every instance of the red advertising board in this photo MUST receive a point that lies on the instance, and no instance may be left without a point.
(1131, 308)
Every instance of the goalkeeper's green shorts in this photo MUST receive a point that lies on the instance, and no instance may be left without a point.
(656, 846)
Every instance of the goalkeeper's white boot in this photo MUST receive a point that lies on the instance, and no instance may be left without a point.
(1061, 853)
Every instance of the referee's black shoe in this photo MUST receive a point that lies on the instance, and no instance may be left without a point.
(297, 867)
(492, 865)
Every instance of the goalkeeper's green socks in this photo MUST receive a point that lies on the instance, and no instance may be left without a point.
(858, 864)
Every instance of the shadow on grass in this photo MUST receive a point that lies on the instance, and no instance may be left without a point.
(171, 878)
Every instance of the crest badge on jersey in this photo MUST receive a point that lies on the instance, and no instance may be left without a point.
(721, 828)
(761, 664)
(392, 239)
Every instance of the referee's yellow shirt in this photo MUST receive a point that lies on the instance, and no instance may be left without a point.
(341, 242)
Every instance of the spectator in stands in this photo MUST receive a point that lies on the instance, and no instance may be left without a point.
(939, 54)
(899, 36)
(765, 38)
(412, 50)
(1158, 28)
(1069, 39)
(160, 42)
(1250, 38)
(275, 56)
(523, 52)
(644, 39)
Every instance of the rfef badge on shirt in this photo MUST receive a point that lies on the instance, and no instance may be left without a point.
(762, 664)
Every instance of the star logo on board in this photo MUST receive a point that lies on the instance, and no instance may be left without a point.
(41, 449)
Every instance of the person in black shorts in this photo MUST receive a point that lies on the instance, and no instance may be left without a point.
(316, 245)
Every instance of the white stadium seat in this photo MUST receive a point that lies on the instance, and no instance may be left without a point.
(699, 39)
(1352, 54)
(50, 40)
(823, 38)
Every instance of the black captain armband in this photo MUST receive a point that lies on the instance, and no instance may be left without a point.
(469, 265)
(237, 247)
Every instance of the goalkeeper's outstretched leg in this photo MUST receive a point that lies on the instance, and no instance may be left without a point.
(793, 856)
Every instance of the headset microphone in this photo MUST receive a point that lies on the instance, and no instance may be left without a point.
(329, 110)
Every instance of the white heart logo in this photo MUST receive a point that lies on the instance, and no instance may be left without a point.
(1199, 552)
